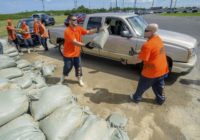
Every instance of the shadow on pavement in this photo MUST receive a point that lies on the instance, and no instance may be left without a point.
(189, 82)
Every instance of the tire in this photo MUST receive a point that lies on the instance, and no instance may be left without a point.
(60, 48)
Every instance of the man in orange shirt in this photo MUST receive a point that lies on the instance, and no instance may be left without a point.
(12, 34)
(155, 66)
(36, 30)
(72, 47)
(27, 36)
(44, 34)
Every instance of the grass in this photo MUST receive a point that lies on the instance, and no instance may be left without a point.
(181, 14)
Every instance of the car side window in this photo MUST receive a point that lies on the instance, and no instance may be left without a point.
(35, 16)
(116, 26)
(94, 22)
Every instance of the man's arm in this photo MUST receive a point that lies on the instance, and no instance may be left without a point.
(92, 31)
(77, 43)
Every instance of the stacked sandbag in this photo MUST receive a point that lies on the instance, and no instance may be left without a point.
(24, 65)
(11, 73)
(13, 103)
(47, 70)
(51, 98)
(6, 62)
(11, 52)
(64, 121)
(21, 128)
(6, 84)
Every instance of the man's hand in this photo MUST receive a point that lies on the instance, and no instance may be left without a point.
(88, 45)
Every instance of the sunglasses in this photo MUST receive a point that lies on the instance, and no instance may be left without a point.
(74, 19)
(147, 30)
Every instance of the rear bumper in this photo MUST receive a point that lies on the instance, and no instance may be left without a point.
(180, 67)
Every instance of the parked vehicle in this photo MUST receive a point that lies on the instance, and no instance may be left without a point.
(80, 18)
(190, 10)
(125, 41)
(29, 22)
(48, 20)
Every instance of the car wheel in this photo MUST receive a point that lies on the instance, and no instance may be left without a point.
(61, 48)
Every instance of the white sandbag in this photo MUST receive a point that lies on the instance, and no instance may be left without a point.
(23, 82)
(38, 65)
(13, 103)
(63, 122)
(21, 121)
(9, 50)
(93, 129)
(39, 82)
(101, 38)
(117, 134)
(21, 128)
(47, 70)
(11, 73)
(51, 98)
(4, 57)
(13, 54)
(5, 84)
(6, 62)
(23, 63)
(1, 48)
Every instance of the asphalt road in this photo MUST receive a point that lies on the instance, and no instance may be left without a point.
(109, 84)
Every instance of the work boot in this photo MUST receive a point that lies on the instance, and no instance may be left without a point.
(62, 78)
(80, 80)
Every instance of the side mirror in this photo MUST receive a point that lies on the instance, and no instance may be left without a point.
(126, 34)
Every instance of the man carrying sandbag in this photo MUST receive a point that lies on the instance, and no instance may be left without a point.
(72, 47)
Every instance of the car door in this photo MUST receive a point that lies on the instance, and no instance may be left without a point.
(93, 22)
(117, 47)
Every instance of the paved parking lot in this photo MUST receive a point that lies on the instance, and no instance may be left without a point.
(109, 84)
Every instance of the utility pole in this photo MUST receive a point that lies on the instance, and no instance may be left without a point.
(116, 4)
(123, 4)
(152, 3)
(43, 5)
(75, 4)
(135, 4)
(89, 4)
(175, 3)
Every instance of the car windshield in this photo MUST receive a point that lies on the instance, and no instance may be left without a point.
(138, 24)
(28, 22)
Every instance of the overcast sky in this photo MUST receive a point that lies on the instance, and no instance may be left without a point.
(13, 6)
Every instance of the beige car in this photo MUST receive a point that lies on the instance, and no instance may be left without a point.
(126, 39)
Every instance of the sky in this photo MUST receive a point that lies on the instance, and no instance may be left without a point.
(14, 6)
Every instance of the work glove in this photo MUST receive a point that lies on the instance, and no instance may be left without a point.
(88, 45)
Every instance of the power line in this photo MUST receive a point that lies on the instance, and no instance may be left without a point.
(43, 5)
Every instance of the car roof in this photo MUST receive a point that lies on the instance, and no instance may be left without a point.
(117, 14)
(26, 19)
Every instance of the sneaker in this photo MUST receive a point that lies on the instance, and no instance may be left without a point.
(80, 81)
(21, 53)
(29, 51)
(132, 99)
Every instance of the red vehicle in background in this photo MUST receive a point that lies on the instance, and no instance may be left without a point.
(80, 18)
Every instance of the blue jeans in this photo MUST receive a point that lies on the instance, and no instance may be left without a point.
(38, 38)
(157, 85)
(28, 42)
(44, 43)
(69, 63)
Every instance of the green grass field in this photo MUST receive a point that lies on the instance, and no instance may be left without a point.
(181, 14)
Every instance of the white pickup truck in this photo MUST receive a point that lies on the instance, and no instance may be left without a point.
(126, 39)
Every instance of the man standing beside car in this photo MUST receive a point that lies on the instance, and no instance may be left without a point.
(155, 66)
(72, 48)
(27, 36)
(12, 34)
(44, 35)
(36, 30)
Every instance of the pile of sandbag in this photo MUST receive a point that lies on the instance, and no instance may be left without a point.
(32, 110)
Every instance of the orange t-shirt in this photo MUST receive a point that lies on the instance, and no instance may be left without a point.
(154, 58)
(71, 50)
(26, 29)
(43, 31)
(36, 28)
(11, 32)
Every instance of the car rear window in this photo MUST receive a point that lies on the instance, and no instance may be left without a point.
(94, 22)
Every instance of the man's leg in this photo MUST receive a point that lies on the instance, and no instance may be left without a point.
(158, 88)
(78, 70)
(143, 84)
(27, 45)
(45, 43)
(68, 64)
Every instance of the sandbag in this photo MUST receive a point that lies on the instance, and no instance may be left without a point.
(1, 48)
(39, 82)
(23, 63)
(38, 65)
(101, 38)
(21, 128)
(13, 103)
(10, 50)
(23, 82)
(10, 73)
(13, 54)
(47, 70)
(63, 122)
(7, 64)
(5, 84)
(94, 128)
(51, 98)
